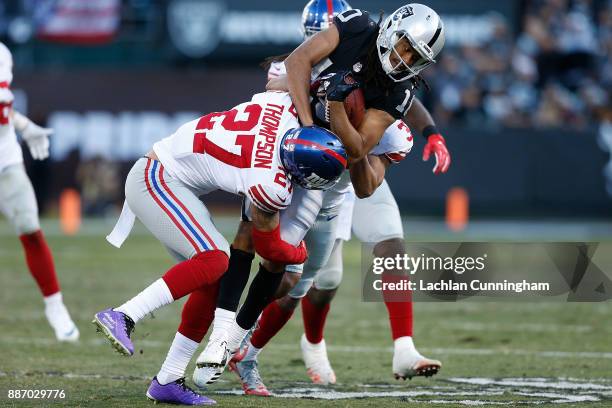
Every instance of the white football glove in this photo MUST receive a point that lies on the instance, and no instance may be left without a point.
(36, 137)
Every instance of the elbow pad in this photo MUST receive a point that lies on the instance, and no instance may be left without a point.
(270, 246)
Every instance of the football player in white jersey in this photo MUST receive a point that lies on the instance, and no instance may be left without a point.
(386, 235)
(256, 150)
(18, 202)
(348, 45)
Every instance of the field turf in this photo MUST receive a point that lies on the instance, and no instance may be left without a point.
(492, 353)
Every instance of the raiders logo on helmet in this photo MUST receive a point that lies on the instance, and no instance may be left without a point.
(403, 12)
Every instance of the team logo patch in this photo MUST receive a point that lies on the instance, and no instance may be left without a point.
(357, 67)
(315, 181)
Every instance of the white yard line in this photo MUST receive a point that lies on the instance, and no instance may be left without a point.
(340, 349)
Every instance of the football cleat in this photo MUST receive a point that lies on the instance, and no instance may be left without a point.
(408, 363)
(317, 364)
(176, 392)
(212, 362)
(62, 324)
(117, 327)
(248, 374)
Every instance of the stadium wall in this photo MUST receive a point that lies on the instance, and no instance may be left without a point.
(117, 115)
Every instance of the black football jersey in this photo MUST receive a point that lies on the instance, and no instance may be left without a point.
(358, 34)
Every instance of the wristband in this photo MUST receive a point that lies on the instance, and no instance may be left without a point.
(430, 130)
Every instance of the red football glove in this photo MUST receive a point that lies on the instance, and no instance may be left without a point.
(270, 246)
(437, 145)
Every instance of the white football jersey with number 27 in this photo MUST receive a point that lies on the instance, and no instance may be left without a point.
(235, 151)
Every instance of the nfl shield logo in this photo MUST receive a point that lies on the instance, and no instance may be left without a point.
(193, 25)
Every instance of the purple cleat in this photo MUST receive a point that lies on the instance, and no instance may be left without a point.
(176, 392)
(117, 327)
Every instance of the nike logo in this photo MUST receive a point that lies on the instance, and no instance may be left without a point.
(282, 199)
(108, 321)
(331, 217)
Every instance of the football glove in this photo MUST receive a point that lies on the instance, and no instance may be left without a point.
(35, 136)
(339, 86)
(437, 145)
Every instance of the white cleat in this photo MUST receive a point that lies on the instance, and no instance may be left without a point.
(212, 362)
(317, 364)
(408, 362)
(62, 324)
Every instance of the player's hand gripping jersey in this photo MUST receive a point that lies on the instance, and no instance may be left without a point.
(235, 151)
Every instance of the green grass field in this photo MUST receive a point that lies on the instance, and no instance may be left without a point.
(492, 353)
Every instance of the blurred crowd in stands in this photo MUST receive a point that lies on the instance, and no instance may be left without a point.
(557, 69)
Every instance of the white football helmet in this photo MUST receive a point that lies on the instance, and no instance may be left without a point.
(422, 27)
(6, 64)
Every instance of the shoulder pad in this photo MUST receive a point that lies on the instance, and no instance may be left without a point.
(353, 21)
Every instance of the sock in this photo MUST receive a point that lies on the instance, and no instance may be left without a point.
(57, 314)
(399, 308)
(273, 319)
(235, 279)
(54, 301)
(198, 312)
(400, 318)
(203, 269)
(179, 355)
(40, 262)
(252, 353)
(223, 322)
(261, 293)
(314, 320)
(236, 335)
(152, 298)
(405, 342)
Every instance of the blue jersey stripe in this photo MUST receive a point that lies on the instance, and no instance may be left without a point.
(173, 207)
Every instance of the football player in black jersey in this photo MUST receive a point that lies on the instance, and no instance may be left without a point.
(386, 61)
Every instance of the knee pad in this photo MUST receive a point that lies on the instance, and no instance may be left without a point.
(330, 276)
(25, 221)
(301, 288)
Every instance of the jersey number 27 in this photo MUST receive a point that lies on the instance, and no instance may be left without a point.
(201, 144)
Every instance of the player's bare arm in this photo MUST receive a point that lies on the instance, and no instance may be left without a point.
(299, 68)
(368, 173)
(264, 221)
(419, 118)
(358, 142)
